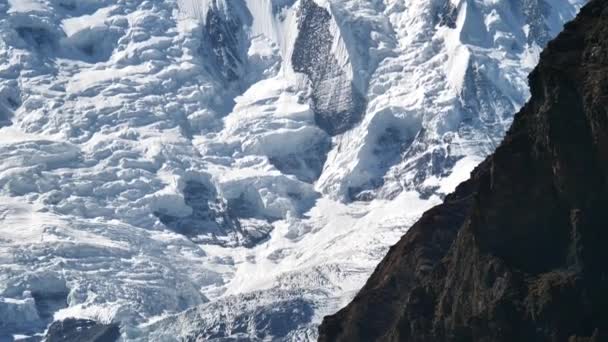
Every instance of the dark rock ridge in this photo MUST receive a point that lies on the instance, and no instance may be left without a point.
(518, 252)
(223, 44)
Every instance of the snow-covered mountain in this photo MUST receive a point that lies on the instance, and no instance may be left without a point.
(236, 168)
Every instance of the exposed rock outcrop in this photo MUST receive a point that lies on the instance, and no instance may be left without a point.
(518, 252)
(337, 103)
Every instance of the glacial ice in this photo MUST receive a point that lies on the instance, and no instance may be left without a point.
(183, 168)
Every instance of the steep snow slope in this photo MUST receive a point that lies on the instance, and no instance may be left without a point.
(208, 168)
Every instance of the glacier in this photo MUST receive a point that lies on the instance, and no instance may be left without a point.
(235, 169)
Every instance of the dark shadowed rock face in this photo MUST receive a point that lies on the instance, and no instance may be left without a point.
(518, 252)
(80, 330)
(337, 103)
(222, 37)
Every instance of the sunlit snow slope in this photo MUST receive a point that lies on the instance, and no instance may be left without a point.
(236, 168)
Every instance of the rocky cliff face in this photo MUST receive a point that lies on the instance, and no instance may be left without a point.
(337, 103)
(516, 253)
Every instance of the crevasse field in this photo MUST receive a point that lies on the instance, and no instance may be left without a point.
(236, 168)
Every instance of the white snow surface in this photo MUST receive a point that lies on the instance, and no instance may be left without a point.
(112, 110)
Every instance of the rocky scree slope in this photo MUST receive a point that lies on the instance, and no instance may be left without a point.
(516, 253)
